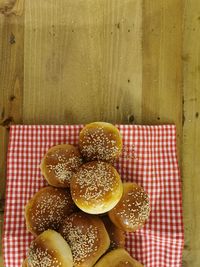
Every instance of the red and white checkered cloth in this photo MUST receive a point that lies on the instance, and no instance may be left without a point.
(149, 159)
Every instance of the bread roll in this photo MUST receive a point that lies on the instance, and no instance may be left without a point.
(117, 236)
(96, 187)
(59, 164)
(25, 263)
(100, 141)
(50, 250)
(118, 258)
(87, 237)
(47, 209)
(132, 210)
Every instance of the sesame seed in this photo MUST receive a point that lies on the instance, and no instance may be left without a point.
(39, 257)
(135, 208)
(61, 171)
(49, 209)
(97, 144)
(95, 179)
(81, 240)
(62, 163)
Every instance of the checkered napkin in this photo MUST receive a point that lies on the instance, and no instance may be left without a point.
(149, 159)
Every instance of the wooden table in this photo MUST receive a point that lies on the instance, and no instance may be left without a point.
(122, 61)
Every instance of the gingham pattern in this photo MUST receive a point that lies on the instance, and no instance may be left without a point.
(149, 158)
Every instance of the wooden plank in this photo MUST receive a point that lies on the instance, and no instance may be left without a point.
(191, 132)
(11, 83)
(6, 6)
(162, 66)
(83, 61)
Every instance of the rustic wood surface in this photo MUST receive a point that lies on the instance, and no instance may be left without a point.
(130, 61)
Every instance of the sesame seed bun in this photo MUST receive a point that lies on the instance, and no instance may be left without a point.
(25, 263)
(118, 258)
(132, 210)
(87, 237)
(47, 209)
(117, 236)
(96, 188)
(59, 164)
(100, 141)
(49, 250)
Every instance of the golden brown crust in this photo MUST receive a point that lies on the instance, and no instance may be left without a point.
(117, 236)
(87, 237)
(132, 210)
(59, 164)
(47, 209)
(100, 141)
(25, 263)
(96, 187)
(118, 258)
(50, 250)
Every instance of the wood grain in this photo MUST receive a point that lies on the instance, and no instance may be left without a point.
(11, 84)
(11, 87)
(6, 6)
(82, 61)
(162, 66)
(191, 133)
(12, 7)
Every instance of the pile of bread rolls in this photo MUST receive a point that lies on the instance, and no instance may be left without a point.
(81, 218)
